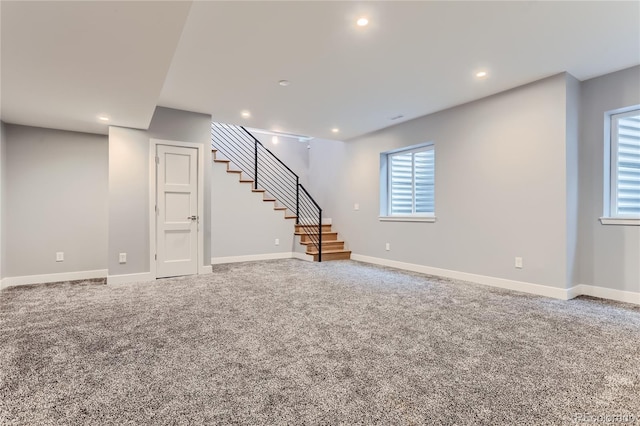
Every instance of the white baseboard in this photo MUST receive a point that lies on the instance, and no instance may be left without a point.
(83, 275)
(302, 256)
(255, 257)
(573, 292)
(52, 278)
(130, 278)
(541, 290)
(146, 276)
(251, 258)
(604, 293)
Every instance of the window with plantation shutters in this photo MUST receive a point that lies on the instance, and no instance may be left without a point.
(624, 177)
(410, 187)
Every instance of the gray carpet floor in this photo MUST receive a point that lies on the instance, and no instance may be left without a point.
(292, 342)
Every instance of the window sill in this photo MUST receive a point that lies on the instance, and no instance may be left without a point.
(619, 221)
(429, 219)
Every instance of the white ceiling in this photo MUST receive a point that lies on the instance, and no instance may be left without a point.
(64, 63)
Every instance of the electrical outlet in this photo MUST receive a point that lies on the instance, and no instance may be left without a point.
(122, 257)
(60, 256)
(388, 247)
(519, 264)
(277, 241)
(356, 206)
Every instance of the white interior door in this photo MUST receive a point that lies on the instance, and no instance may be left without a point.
(177, 220)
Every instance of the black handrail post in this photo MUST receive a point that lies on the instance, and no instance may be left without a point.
(320, 235)
(297, 200)
(255, 164)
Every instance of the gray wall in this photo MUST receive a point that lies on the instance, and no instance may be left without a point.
(243, 224)
(572, 137)
(327, 160)
(128, 200)
(2, 191)
(608, 254)
(55, 200)
(129, 184)
(501, 166)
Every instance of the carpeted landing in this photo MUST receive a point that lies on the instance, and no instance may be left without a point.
(292, 342)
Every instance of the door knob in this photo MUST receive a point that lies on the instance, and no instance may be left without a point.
(192, 217)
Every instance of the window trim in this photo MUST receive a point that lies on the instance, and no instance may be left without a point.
(404, 218)
(619, 221)
(610, 198)
(385, 186)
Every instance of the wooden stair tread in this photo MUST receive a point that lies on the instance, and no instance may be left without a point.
(279, 208)
(257, 190)
(345, 255)
(312, 252)
(304, 243)
(246, 181)
(316, 233)
(291, 217)
(219, 160)
(269, 199)
(234, 171)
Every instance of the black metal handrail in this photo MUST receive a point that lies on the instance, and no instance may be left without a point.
(268, 172)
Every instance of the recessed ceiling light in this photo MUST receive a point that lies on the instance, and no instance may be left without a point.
(335, 130)
(274, 140)
(284, 83)
(481, 74)
(245, 114)
(362, 22)
(103, 118)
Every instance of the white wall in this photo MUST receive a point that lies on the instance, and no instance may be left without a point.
(609, 255)
(243, 224)
(129, 184)
(501, 167)
(291, 152)
(55, 201)
(572, 146)
(128, 200)
(2, 191)
(326, 159)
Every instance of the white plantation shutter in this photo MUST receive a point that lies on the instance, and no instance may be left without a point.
(401, 184)
(411, 182)
(424, 176)
(625, 173)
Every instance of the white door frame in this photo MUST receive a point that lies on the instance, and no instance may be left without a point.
(153, 149)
